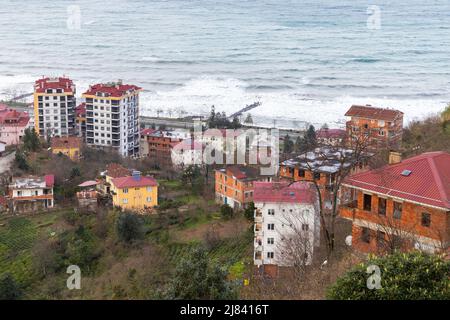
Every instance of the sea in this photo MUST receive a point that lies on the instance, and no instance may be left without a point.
(305, 61)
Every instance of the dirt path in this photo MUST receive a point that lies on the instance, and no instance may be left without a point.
(5, 162)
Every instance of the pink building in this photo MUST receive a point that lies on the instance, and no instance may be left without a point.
(12, 125)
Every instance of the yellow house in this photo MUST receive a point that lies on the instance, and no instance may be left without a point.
(134, 192)
(68, 146)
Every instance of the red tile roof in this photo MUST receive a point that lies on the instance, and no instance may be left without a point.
(66, 142)
(81, 110)
(112, 90)
(131, 182)
(187, 144)
(49, 180)
(10, 116)
(147, 131)
(243, 172)
(330, 133)
(54, 83)
(428, 183)
(115, 170)
(298, 192)
(370, 112)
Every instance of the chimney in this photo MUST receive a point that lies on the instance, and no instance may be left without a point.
(136, 175)
(395, 157)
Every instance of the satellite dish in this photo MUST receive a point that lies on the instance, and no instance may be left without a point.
(348, 240)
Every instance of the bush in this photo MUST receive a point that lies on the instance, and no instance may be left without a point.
(226, 211)
(9, 289)
(404, 276)
(130, 227)
(249, 212)
(197, 278)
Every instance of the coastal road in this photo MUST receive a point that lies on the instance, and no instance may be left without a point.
(6, 161)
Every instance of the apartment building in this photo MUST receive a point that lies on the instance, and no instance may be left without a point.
(12, 125)
(135, 192)
(331, 137)
(80, 120)
(401, 206)
(112, 117)
(186, 152)
(54, 107)
(31, 194)
(234, 185)
(287, 225)
(376, 127)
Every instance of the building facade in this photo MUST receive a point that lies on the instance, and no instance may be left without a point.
(401, 206)
(12, 125)
(136, 192)
(234, 185)
(112, 117)
(287, 224)
(31, 194)
(80, 120)
(376, 127)
(54, 107)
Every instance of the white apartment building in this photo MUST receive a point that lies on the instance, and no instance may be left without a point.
(286, 224)
(54, 107)
(112, 117)
(31, 194)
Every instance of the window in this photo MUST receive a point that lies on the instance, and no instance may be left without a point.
(426, 219)
(301, 173)
(365, 235)
(271, 226)
(149, 189)
(316, 175)
(149, 199)
(381, 238)
(125, 190)
(367, 205)
(271, 212)
(382, 206)
(270, 255)
(125, 201)
(305, 227)
(397, 210)
(270, 240)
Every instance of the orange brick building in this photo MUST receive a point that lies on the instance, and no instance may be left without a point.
(401, 206)
(158, 145)
(378, 128)
(235, 185)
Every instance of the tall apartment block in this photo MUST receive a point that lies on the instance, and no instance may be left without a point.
(112, 117)
(54, 107)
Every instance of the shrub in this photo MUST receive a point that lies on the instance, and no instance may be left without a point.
(404, 276)
(226, 211)
(130, 227)
(9, 289)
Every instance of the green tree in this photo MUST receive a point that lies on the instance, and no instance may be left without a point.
(197, 277)
(129, 227)
(21, 160)
(298, 145)
(226, 211)
(310, 137)
(288, 145)
(75, 172)
(404, 276)
(9, 289)
(249, 119)
(191, 174)
(236, 123)
(31, 140)
(250, 211)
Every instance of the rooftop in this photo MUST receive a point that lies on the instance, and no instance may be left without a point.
(66, 142)
(133, 182)
(330, 133)
(112, 89)
(187, 144)
(242, 172)
(423, 179)
(370, 112)
(325, 159)
(32, 182)
(115, 170)
(12, 116)
(298, 192)
(54, 83)
(81, 110)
